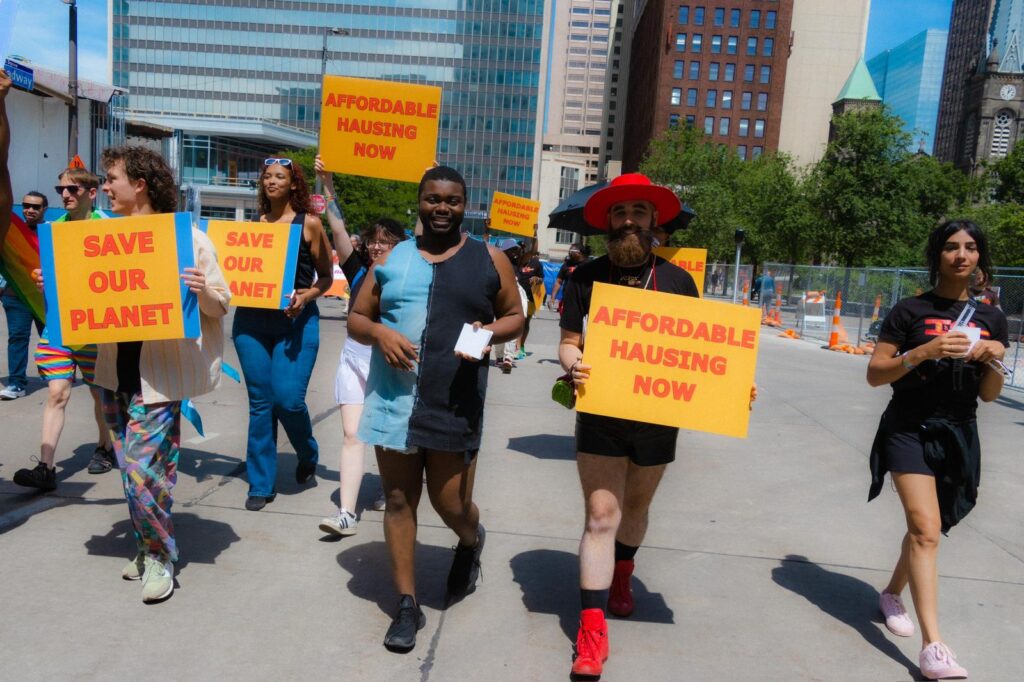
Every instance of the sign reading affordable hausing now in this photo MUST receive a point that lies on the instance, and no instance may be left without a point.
(118, 280)
(258, 260)
(379, 129)
(668, 359)
(514, 214)
(694, 261)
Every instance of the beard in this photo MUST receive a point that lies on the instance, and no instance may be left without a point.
(629, 249)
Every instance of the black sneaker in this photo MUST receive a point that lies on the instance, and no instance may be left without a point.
(304, 472)
(41, 477)
(401, 636)
(465, 568)
(256, 502)
(102, 461)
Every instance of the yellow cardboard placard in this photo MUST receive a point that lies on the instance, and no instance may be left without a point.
(694, 261)
(118, 279)
(667, 359)
(514, 214)
(257, 259)
(379, 129)
(538, 291)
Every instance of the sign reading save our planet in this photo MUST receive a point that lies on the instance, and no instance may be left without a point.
(118, 280)
(258, 260)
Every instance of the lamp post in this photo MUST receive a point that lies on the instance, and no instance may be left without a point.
(72, 77)
(328, 32)
(740, 235)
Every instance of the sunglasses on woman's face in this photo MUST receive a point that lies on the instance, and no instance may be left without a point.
(271, 161)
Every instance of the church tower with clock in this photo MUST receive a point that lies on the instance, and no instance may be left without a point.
(993, 120)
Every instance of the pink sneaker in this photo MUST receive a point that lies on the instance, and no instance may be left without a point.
(939, 663)
(896, 618)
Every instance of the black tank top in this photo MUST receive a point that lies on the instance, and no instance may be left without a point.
(304, 268)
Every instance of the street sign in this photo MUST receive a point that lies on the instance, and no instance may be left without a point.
(476, 214)
(22, 76)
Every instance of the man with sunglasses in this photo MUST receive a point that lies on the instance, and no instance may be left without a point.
(19, 315)
(57, 365)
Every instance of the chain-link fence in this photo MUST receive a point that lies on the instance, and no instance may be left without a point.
(719, 279)
(808, 297)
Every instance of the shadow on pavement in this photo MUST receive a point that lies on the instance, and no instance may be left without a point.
(545, 446)
(369, 567)
(199, 540)
(204, 465)
(845, 598)
(1011, 402)
(550, 581)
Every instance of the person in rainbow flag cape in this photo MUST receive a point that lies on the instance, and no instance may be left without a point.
(58, 364)
(22, 304)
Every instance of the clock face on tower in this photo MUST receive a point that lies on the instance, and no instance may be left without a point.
(1008, 92)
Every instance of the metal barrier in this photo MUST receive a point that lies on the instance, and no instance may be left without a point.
(862, 288)
(719, 279)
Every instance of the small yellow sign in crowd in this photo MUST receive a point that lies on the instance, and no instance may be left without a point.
(514, 214)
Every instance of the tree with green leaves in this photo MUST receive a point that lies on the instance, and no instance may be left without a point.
(364, 200)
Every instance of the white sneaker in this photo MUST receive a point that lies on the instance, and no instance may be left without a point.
(343, 523)
(12, 393)
(381, 502)
(157, 580)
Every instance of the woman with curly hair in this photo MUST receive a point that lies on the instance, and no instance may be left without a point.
(928, 437)
(277, 348)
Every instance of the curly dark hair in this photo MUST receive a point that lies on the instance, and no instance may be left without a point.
(298, 198)
(937, 241)
(146, 164)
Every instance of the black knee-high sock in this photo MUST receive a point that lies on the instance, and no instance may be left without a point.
(593, 599)
(624, 552)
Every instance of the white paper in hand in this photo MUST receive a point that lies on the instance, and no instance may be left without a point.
(473, 341)
(972, 333)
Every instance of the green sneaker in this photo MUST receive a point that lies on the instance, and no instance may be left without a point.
(157, 580)
(135, 567)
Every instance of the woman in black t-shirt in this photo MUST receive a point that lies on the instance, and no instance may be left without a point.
(927, 439)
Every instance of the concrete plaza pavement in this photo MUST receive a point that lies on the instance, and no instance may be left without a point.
(762, 561)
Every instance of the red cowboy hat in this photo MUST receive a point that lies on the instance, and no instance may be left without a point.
(630, 187)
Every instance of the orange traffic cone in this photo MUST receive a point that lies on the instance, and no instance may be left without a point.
(878, 307)
(746, 293)
(838, 334)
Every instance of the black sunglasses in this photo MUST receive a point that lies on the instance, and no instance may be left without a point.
(31, 207)
(71, 189)
(271, 161)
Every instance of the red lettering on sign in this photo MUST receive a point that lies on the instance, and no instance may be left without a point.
(374, 151)
(121, 244)
(255, 239)
(121, 317)
(662, 388)
(133, 279)
(243, 263)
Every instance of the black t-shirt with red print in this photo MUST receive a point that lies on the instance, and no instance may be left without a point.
(943, 386)
(526, 271)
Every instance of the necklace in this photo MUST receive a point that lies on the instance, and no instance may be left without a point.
(629, 280)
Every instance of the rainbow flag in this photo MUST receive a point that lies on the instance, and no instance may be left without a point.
(19, 257)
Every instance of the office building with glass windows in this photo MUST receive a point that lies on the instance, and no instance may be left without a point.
(909, 81)
(238, 79)
(719, 67)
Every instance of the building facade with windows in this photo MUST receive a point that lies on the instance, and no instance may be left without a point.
(720, 67)
(909, 80)
(250, 73)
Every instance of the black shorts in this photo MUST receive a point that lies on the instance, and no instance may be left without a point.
(904, 453)
(644, 444)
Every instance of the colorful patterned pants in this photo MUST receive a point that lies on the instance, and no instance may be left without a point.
(147, 439)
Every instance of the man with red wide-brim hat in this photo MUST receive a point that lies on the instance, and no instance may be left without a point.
(620, 461)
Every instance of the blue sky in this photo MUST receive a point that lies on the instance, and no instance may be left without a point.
(40, 30)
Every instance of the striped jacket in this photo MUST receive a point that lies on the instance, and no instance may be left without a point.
(177, 369)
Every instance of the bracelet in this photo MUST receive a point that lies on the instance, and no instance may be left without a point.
(905, 361)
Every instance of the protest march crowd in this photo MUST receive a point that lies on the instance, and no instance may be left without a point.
(426, 312)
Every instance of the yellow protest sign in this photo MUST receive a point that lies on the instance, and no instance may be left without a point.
(668, 359)
(514, 214)
(694, 261)
(118, 279)
(258, 260)
(378, 129)
(538, 291)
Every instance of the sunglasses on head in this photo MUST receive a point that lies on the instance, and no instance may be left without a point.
(271, 161)
(31, 207)
(71, 189)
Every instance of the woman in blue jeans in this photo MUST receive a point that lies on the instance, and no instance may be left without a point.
(277, 348)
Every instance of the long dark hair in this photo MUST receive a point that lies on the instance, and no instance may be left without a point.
(298, 198)
(937, 242)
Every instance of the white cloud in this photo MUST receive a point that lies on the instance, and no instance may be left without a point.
(40, 34)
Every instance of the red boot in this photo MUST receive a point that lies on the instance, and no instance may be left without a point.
(620, 596)
(591, 644)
